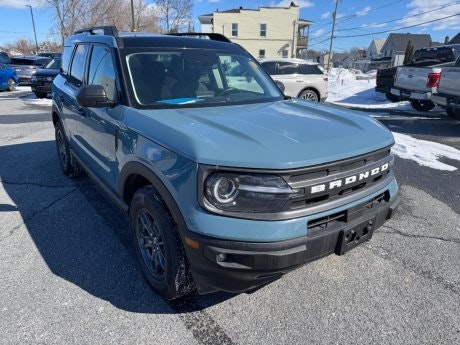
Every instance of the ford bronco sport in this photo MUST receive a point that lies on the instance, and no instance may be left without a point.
(228, 183)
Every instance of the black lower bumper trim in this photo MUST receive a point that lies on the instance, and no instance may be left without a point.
(240, 266)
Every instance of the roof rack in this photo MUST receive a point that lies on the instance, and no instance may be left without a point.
(209, 35)
(108, 30)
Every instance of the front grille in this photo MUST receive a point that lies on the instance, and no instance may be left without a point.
(330, 182)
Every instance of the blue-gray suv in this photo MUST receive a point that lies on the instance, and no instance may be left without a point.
(228, 184)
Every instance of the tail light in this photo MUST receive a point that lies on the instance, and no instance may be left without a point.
(433, 79)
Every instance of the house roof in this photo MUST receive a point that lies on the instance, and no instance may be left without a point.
(378, 42)
(399, 41)
(455, 40)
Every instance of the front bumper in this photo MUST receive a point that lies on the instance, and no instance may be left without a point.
(235, 266)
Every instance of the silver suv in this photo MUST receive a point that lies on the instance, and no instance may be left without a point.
(301, 79)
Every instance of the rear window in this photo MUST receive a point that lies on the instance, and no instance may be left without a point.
(440, 54)
(24, 62)
(309, 69)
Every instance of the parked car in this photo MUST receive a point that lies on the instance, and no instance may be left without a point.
(422, 57)
(447, 94)
(8, 78)
(4, 58)
(25, 66)
(300, 78)
(225, 188)
(417, 84)
(42, 80)
(51, 55)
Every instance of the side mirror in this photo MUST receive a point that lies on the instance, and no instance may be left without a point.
(280, 85)
(93, 96)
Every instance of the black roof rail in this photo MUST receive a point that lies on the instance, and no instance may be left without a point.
(210, 35)
(108, 30)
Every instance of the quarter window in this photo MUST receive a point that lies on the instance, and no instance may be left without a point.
(234, 29)
(263, 30)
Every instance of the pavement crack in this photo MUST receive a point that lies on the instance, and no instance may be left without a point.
(451, 286)
(400, 233)
(25, 220)
(13, 183)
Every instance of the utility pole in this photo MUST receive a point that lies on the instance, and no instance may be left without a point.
(133, 29)
(33, 24)
(334, 16)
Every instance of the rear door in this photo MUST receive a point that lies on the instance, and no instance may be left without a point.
(287, 73)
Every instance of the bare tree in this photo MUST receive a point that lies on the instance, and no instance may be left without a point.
(71, 15)
(176, 15)
(22, 45)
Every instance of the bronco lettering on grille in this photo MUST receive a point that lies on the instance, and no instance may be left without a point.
(349, 179)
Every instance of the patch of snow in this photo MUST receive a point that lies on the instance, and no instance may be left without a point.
(425, 153)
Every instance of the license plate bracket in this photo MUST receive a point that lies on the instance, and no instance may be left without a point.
(354, 236)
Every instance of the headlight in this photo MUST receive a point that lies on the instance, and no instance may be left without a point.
(247, 192)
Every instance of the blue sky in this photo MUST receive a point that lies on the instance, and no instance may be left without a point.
(358, 21)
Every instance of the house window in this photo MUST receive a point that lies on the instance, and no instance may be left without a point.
(285, 53)
(263, 30)
(234, 29)
(262, 53)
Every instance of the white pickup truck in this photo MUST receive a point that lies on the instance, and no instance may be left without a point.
(417, 84)
(448, 91)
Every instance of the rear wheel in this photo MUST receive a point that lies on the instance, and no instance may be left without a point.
(309, 95)
(453, 113)
(158, 246)
(68, 164)
(391, 97)
(11, 84)
(41, 94)
(422, 105)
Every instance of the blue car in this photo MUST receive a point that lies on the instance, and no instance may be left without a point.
(8, 78)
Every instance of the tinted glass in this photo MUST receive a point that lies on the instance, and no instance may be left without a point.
(53, 64)
(309, 69)
(77, 69)
(269, 67)
(189, 77)
(101, 71)
(286, 68)
(66, 60)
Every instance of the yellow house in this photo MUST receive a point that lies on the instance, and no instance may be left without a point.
(263, 32)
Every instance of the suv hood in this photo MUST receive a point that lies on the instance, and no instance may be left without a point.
(276, 135)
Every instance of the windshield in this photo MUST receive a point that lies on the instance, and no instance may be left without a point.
(54, 64)
(189, 77)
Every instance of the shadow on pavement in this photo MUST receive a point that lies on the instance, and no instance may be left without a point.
(80, 235)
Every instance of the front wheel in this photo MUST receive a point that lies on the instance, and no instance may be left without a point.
(309, 95)
(422, 105)
(158, 246)
(11, 84)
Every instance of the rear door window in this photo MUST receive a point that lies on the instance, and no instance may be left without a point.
(77, 69)
(284, 68)
(309, 69)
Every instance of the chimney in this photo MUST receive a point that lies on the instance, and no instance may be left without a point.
(446, 40)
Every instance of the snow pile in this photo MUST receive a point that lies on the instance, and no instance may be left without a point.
(345, 90)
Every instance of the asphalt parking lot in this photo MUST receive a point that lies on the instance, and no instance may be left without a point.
(68, 275)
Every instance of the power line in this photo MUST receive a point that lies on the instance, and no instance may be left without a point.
(395, 20)
(397, 29)
(366, 12)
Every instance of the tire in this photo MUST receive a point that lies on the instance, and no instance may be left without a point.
(41, 94)
(309, 95)
(68, 164)
(422, 105)
(453, 113)
(391, 97)
(11, 84)
(158, 246)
